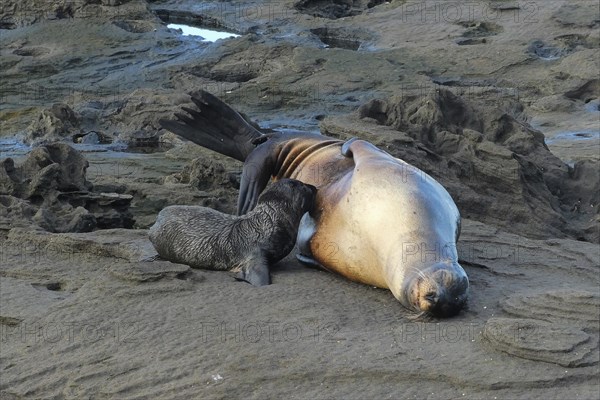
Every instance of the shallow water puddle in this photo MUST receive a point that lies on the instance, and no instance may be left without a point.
(10, 147)
(583, 135)
(207, 35)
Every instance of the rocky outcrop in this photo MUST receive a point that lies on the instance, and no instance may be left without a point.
(49, 190)
(217, 185)
(55, 123)
(47, 169)
(204, 174)
(336, 8)
(496, 166)
(16, 14)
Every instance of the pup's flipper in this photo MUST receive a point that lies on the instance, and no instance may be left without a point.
(254, 269)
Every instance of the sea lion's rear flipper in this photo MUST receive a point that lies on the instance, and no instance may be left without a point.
(254, 269)
(256, 173)
(216, 126)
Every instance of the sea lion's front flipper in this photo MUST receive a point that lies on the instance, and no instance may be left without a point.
(254, 270)
(256, 173)
(306, 230)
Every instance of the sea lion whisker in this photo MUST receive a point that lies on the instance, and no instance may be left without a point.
(419, 272)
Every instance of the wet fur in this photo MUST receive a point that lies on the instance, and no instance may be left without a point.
(205, 238)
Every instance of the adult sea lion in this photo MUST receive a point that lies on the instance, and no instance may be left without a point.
(376, 219)
(205, 238)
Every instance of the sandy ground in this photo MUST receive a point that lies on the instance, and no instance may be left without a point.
(81, 325)
(89, 315)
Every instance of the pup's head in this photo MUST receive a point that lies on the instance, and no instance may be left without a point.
(292, 194)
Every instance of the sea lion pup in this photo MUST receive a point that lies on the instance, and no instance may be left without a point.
(376, 219)
(205, 238)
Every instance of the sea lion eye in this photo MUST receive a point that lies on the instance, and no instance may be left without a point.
(430, 297)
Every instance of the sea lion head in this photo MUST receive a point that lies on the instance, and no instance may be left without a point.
(440, 290)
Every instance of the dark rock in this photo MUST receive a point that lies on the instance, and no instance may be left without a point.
(440, 110)
(586, 92)
(7, 178)
(134, 26)
(15, 212)
(17, 13)
(581, 198)
(110, 210)
(334, 9)
(342, 38)
(214, 185)
(56, 166)
(60, 199)
(496, 166)
(52, 124)
(139, 138)
(44, 183)
(554, 103)
(81, 221)
(573, 40)
(37, 159)
(72, 164)
(204, 174)
(564, 46)
(31, 51)
(65, 219)
(90, 138)
(113, 3)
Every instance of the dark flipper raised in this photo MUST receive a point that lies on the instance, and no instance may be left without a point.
(256, 173)
(216, 126)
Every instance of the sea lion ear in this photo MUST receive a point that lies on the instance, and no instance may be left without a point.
(255, 271)
(261, 139)
(346, 151)
(256, 173)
